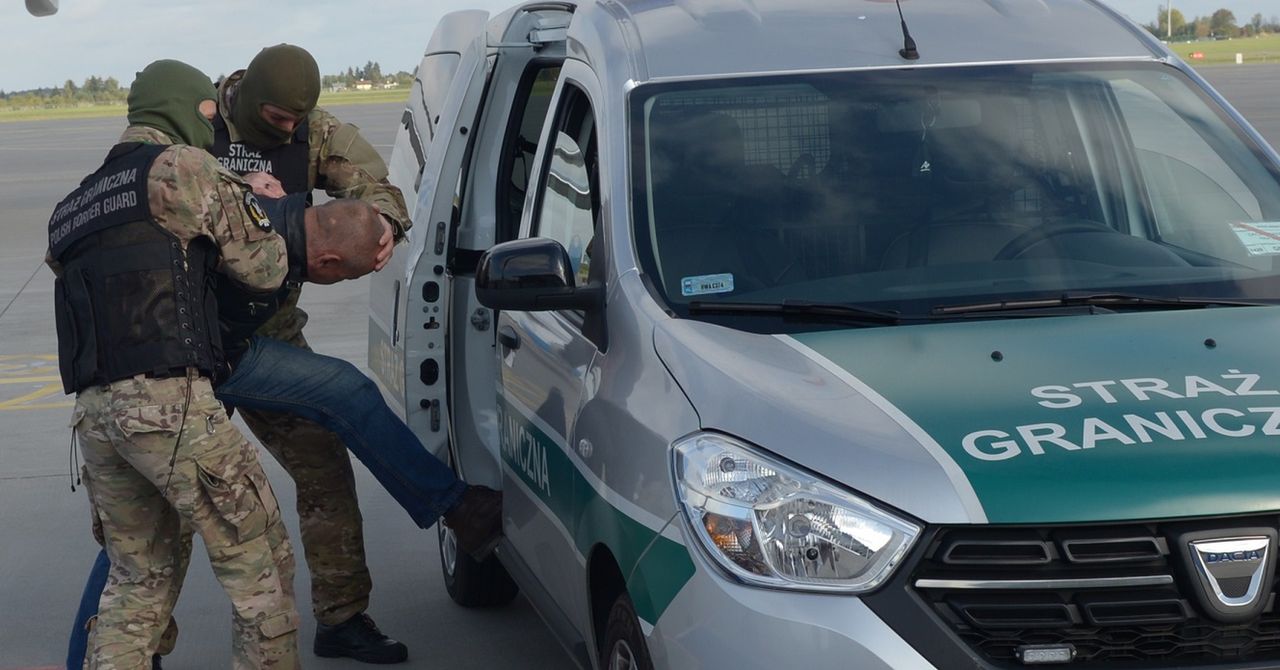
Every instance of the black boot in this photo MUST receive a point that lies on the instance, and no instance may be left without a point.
(358, 638)
(476, 520)
(155, 662)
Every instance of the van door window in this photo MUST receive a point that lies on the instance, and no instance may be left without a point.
(570, 196)
(521, 144)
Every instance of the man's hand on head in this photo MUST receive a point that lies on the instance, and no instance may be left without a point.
(264, 185)
(387, 241)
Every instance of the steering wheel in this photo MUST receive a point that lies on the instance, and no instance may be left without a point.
(1025, 240)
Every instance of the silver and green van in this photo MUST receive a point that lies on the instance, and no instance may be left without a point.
(792, 346)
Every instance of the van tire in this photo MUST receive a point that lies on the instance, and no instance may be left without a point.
(623, 646)
(473, 583)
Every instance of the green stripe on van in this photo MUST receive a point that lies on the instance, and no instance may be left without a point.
(1090, 417)
(656, 567)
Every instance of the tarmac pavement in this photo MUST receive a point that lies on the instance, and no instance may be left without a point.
(45, 544)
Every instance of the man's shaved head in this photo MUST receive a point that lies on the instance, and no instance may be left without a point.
(342, 240)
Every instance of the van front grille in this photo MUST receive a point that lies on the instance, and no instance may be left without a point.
(1120, 596)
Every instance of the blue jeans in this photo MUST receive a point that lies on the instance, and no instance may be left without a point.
(88, 608)
(279, 377)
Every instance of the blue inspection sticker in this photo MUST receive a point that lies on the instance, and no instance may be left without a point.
(706, 284)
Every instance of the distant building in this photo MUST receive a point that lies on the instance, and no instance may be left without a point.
(390, 84)
(364, 85)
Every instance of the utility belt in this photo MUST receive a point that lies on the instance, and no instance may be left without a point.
(190, 371)
(169, 373)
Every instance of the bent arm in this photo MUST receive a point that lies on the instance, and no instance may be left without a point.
(347, 166)
(252, 254)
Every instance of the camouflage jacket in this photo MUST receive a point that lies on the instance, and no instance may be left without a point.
(191, 195)
(343, 163)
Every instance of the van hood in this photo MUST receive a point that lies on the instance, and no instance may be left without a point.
(1058, 419)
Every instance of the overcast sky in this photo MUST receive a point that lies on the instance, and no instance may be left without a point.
(116, 37)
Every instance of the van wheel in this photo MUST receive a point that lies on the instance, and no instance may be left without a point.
(624, 647)
(473, 583)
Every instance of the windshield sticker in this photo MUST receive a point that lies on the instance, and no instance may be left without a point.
(722, 283)
(1261, 238)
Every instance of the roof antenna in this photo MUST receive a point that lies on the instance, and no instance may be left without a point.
(908, 50)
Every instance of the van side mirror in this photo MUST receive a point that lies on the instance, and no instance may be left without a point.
(42, 7)
(532, 275)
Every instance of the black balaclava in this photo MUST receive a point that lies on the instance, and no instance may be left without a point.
(283, 75)
(166, 96)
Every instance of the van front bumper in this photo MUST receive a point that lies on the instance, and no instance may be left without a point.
(716, 623)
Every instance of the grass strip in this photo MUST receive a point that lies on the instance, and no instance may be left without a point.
(1261, 49)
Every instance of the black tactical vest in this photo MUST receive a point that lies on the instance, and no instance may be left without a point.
(129, 301)
(241, 312)
(290, 163)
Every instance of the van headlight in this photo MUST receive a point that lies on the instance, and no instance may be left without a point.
(772, 524)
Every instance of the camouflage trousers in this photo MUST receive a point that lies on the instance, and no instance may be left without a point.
(152, 479)
(329, 517)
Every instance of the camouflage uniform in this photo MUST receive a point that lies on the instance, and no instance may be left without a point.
(152, 478)
(342, 162)
(344, 165)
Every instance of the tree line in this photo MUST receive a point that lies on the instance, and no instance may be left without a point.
(97, 90)
(93, 91)
(370, 72)
(1220, 24)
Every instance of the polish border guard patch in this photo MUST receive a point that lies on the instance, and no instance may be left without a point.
(257, 214)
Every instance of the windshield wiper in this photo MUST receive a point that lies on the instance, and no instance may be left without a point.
(1104, 300)
(808, 311)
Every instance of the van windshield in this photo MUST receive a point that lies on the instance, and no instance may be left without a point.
(910, 192)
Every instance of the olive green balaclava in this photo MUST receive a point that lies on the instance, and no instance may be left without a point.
(166, 96)
(283, 75)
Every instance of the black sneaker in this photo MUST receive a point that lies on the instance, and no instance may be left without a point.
(476, 520)
(358, 638)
